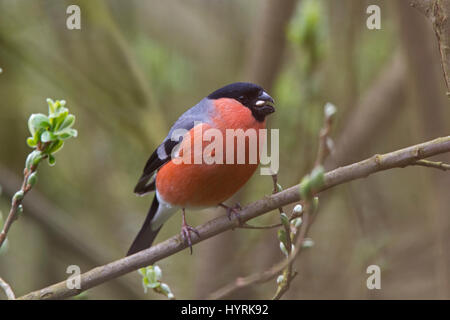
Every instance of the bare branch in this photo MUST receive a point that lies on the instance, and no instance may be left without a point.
(433, 164)
(8, 291)
(397, 159)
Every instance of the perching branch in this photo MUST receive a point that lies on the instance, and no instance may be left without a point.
(438, 12)
(8, 291)
(396, 159)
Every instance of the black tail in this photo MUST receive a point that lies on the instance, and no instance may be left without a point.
(146, 235)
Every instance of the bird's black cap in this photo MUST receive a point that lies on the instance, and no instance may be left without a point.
(248, 94)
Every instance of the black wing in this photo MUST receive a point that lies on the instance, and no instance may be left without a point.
(154, 163)
(198, 113)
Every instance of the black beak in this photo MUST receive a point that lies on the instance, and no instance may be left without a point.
(265, 104)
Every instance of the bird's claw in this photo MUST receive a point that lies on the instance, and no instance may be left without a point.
(233, 211)
(186, 234)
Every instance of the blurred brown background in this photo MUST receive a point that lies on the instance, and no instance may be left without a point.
(135, 66)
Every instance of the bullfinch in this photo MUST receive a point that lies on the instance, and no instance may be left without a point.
(190, 184)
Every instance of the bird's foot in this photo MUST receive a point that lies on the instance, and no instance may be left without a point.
(186, 232)
(233, 211)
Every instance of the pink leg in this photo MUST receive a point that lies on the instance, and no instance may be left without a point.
(186, 231)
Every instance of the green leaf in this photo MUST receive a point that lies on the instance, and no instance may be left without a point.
(74, 132)
(312, 183)
(151, 275)
(18, 196)
(315, 204)
(59, 105)
(67, 123)
(55, 147)
(29, 161)
(31, 143)
(48, 136)
(283, 249)
(67, 133)
(51, 106)
(33, 159)
(32, 179)
(153, 285)
(37, 135)
(297, 222)
(51, 160)
(38, 121)
(305, 187)
(284, 219)
(165, 288)
(317, 178)
(282, 236)
(158, 272)
(142, 271)
(145, 283)
(59, 118)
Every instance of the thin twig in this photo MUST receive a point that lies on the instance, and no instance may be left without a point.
(362, 169)
(433, 164)
(325, 144)
(7, 288)
(250, 226)
(323, 150)
(270, 226)
(266, 275)
(275, 188)
(17, 201)
(288, 275)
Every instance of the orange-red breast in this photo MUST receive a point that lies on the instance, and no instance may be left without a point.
(183, 185)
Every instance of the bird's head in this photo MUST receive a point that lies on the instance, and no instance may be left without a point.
(250, 95)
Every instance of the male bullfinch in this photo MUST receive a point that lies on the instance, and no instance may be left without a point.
(184, 185)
